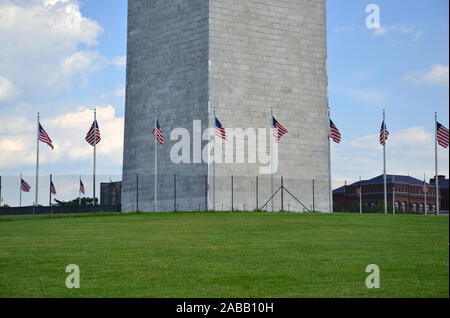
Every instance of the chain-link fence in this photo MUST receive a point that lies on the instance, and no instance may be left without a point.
(223, 193)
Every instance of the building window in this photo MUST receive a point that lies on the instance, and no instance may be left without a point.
(404, 206)
(414, 208)
(434, 208)
(421, 207)
(396, 205)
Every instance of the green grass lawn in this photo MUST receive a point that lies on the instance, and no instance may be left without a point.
(224, 255)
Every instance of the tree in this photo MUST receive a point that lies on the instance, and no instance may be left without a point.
(75, 202)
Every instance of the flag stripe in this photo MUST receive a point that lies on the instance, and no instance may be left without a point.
(278, 130)
(43, 137)
(25, 187)
(425, 187)
(385, 135)
(334, 133)
(220, 131)
(81, 187)
(442, 135)
(159, 134)
(93, 135)
(52, 188)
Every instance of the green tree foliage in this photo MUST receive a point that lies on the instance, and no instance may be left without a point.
(75, 202)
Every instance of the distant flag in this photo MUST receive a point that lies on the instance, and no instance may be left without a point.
(358, 191)
(279, 130)
(81, 187)
(159, 133)
(93, 135)
(44, 137)
(334, 133)
(442, 135)
(24, 186)
(425, 187)
(220, 131)
(52, 188)
(386, 134)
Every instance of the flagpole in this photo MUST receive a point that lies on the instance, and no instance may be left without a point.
(360, 196)
(330, 192)
(156, 162)
(214, 164)
(95, 151)
(20, 196)
(50, 192)
(37, 165)
(393, 195)
(436, 182)
(384, 161)
(79, 192)
(271, 155)
(425, 193)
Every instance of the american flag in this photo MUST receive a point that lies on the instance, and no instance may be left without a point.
(220, 131)
(81, 187)
(93, 135)
(159, 133)
(24, 186)
(425, 187)
(358, 191)
(334, 133)
(52, 188)
(44, 137)
(386, 133)
(279, 130)
(442, 135)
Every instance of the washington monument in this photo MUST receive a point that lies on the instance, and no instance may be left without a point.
(241, 62)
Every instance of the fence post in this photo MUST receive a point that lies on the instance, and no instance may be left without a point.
(1, 199)
(313, 206)
(257, 193)
(206, 193)
(282, 200)
(175, 192)
(50, 197)
(232, 198)
(137, 192)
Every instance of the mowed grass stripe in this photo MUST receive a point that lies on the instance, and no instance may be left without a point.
(224, 255)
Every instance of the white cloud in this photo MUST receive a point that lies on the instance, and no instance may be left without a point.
(120, 92)
(38, 38)
(438, 74)
(346, 28)
(415, 30)
(366, 95)
(120, 61)
(83, 62)
(380, 31)
(67, 132)
(7, 89)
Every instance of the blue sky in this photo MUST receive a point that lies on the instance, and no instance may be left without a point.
(65, 57)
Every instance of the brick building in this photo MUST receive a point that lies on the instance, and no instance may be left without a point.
(405, 191)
